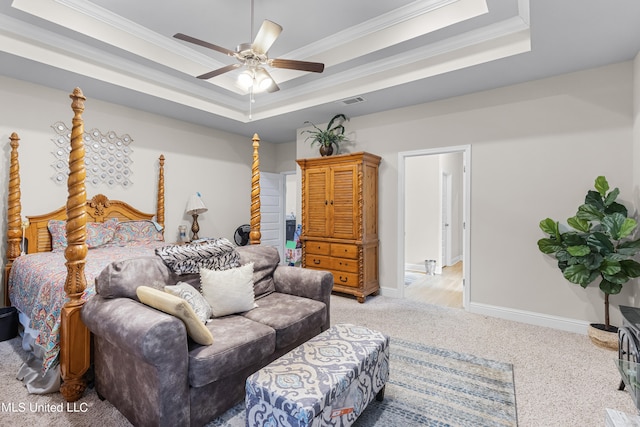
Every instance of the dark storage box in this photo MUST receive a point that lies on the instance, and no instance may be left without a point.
(8, 323)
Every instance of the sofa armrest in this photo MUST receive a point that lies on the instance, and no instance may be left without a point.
(305, 282)
(142, 331)
(141, 360)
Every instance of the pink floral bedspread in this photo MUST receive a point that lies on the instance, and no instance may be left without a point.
(36, 288)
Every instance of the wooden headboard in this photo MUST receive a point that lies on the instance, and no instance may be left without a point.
(98, 209)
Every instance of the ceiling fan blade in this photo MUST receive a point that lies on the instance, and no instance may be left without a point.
(273, 88)
(290, 64)
(267, 34)
(210, 74)
(204, 44)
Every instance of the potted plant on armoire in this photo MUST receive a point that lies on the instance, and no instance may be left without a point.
(330, 137)
(598, 245)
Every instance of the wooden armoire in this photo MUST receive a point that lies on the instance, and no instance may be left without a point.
(340, 220)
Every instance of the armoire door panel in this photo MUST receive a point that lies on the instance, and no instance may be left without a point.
(316, 216)
(344, 200)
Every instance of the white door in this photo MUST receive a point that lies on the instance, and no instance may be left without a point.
(446, 219)
(272, 211)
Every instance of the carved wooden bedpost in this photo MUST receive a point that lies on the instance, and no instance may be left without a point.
(14, 214)
(74, 335)
(254, 235)
(160, 198)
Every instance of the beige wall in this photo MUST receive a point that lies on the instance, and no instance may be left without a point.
(215, 163)
(636, 130)
(536, 149)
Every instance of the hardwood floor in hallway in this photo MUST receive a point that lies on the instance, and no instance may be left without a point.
(441, 289)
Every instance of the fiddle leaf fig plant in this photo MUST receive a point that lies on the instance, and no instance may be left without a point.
(598, 245)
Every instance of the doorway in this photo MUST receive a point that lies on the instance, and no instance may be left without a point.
(278, 201)
(433, 225)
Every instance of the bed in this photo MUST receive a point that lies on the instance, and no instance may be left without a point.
(54, 305)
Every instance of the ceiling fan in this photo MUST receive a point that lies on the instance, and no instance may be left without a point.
(254, 56)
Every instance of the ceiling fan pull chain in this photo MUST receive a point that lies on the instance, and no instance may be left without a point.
(250, 102)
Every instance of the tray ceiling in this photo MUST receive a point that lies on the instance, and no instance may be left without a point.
(384, 54)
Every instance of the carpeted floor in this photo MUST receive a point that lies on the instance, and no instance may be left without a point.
(429, 386)
(561, 379)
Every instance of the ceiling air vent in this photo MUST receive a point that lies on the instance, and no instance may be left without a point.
(351, 101)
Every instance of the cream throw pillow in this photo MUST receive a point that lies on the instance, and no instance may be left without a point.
(228, 291)
(179, 308)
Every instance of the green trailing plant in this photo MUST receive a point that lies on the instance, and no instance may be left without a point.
(598, 245)
(333, 135)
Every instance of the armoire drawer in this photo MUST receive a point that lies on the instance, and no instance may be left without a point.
(345, 279)
(317, 261)
(344, 264)
(341, 250)
(318, 248)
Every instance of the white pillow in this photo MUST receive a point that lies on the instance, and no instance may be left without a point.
(228, 291)
(177, 307)
(193, 297)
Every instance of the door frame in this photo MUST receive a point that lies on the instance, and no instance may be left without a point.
(466, 200)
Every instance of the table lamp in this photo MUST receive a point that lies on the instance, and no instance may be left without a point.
(195, 207)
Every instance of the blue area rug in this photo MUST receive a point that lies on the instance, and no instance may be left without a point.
(430, 386)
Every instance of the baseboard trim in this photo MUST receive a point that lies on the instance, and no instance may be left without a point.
(390, 292)
(415, 267)
(522, 316)
(532, 318)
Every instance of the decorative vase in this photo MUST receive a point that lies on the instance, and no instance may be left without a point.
(326, 150)
(602, 338)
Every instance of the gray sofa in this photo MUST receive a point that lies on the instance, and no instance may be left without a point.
(149, 369)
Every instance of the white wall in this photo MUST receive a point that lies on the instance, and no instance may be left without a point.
(215, 163)
(536, 149)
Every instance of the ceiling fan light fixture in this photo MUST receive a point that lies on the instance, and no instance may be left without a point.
(245, 79)
(263, 79)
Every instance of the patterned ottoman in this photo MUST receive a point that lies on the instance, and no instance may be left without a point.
(327, 381)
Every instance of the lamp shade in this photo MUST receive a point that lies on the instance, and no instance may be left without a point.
(195, 205)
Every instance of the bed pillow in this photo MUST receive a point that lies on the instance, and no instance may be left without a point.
(137, 231)
(195, 299)
(58, 231)
(121, 278)
(98, 233)
(228, 291)
(179, 308)
(214, 254)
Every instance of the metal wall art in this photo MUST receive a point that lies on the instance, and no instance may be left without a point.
(107, 157)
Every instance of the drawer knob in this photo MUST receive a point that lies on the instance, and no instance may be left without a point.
(344, 279)
(316, 261)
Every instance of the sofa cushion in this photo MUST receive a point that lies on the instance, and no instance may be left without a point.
(265, 259)
(121, 278)
(239, 343)
(292, 317)
(228, 291)
(179, 308)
